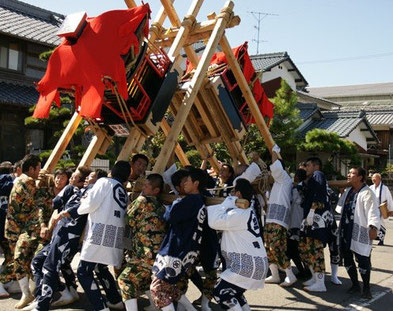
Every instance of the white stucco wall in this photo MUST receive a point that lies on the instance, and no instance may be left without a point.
(280, 71)
(358, 137)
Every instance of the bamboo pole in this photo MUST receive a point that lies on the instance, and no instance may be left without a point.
(93, 148)
(130, 3)
(247, 93)
(193, 88)
(178, 149)
(62, 143)
(202, 29)
(129, 145)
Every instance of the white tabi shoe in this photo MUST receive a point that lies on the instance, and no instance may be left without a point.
(333, 277)
(275, 277)
(186, 303)
(237, 307)
(131, 304)
(12, 287)
(65, 298)
(74, 294)
(3, 292)
(312, 280)
(168, 308)
(319, 285)
(205, 304)
(289, 279)
(32, 306)
(246, 307)
(27, 297)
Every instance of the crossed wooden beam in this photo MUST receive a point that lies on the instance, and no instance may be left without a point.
(196, 106)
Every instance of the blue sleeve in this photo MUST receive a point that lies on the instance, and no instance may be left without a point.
(319, 188)
(183, 210)
(61, 199)
(74, 203)
(6, 184)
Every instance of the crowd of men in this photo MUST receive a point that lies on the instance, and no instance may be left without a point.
(155, 249)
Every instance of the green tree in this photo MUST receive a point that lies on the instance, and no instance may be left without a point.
(318, 140)
(283, 127)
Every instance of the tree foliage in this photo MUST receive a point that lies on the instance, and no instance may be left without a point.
(318, 140)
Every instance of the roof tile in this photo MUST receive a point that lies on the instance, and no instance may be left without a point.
(29, 22)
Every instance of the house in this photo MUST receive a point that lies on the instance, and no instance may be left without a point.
(376, 100)
(350, 125)
(275, 67)
(25, 32)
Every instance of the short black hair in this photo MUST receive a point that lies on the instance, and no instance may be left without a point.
(139, 156)
(361, 172)
(62, 171)
(17, 164)
(301, 174)
(100, 173)
(245, 188)
(200, 175)
(231, 170)
(85, 171)
(30, 160)
(121, 171)
(5, 167)
(315, 161)
(156, 181)
(178, 176)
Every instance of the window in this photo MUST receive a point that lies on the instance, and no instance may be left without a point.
(11, 56)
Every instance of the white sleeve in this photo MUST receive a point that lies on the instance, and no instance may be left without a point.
(341, 201)
(251, 173)
(227, 217)
(94, 197)
(372, 209)
(389, 199)
(167, 177)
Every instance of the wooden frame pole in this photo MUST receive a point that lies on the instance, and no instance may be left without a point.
(62, 143)
(93, 148)
(247, 93)
(178, 150)
(193, 88)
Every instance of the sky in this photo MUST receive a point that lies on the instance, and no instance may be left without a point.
(332, 42)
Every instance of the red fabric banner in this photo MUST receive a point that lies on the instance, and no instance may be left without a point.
(97, 53)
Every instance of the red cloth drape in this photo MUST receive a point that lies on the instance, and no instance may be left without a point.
(96, 54)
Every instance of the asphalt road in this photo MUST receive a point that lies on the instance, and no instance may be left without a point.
(273, 297)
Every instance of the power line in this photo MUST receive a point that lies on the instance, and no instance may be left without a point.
(344, 59)
(259, 16)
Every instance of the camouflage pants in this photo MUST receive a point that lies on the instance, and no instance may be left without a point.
(207, 285)
(275, 237)
(311, 252)
(23, 251)
(164, 293)
(8, 263)
(135, 278)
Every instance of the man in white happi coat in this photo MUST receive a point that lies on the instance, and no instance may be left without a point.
(277, 223)
(244, 262)
(383, 194)
(106, 205)
(359, 224)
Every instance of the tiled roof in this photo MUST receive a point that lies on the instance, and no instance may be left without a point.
(306, 110)
(342, 123)
(18, 94)
(381, 116)
(265, 62)
(353, 90)
(22, 20)
(268, 61)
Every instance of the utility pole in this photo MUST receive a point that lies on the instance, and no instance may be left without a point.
(259, 16)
